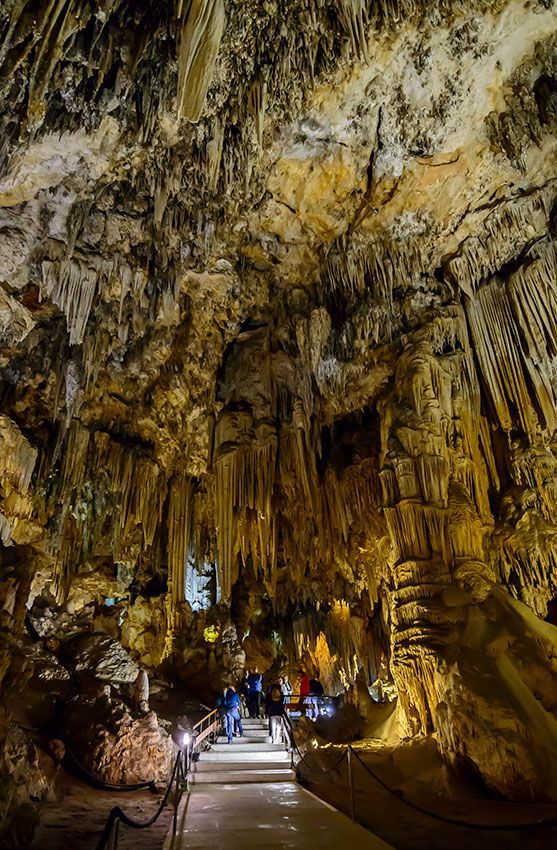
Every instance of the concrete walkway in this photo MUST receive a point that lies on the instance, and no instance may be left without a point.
(266, 816)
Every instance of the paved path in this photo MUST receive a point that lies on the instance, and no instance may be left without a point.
(266, 816)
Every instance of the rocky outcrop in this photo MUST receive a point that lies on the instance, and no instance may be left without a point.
(101, 657)
(116, 747)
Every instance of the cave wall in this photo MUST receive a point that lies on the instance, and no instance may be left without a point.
(278, 299)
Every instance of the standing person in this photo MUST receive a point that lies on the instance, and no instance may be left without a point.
(244, 690)
(255, 686)
(275, 712)
(316, 691)
(287, 689)
(233, 721)
(305, 702)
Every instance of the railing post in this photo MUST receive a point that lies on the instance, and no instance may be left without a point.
(351, 785)
(176, 795)
(113, 840)
(189, 756)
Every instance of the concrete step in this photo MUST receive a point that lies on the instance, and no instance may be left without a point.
(231, 754)
(255, 724)
(243, 746)
(247, 739)
(225, 766)
(231, 776)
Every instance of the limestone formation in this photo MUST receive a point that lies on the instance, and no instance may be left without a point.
(278, 356)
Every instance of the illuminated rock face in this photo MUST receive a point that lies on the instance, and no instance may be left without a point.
(278, 294)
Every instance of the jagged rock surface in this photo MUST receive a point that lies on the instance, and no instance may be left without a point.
(277, 306)
(116, 747)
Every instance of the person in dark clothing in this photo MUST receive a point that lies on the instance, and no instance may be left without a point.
(243, 691)
(316, 688)
(220, 703)
(232, 719)
(254, 684)
(275, 711)
(316, 691)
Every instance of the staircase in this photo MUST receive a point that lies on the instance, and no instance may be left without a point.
(252, 758)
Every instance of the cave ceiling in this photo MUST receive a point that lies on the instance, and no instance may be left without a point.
(278, 293)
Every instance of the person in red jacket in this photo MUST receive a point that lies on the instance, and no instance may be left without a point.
(304, 685)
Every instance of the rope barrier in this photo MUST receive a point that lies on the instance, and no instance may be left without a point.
(60, 706)
(178, 778)
(96, 781)
(117, 814)
(303, 758)
(321, 770)
(506, 827)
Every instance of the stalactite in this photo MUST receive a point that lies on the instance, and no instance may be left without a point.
(180, 529)
(17, 456)
(136, 484)
(103, 485)
(200, 37)
(245, 464)
(513, 328)
(64, 544)
(257, 106)
(17, 462)
(72, 287)
(504, 233)
(214, 153)
(354, 15)
(378, 266)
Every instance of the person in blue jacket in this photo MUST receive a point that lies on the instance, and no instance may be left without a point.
(232, 718)
(254, 684)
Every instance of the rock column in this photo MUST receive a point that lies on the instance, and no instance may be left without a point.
(470, 663)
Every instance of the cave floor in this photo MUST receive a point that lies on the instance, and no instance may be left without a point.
(266, 816)
(76, 821)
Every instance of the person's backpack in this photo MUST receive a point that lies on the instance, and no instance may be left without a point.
(276, 693)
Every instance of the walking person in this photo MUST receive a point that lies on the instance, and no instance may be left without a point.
(254, 684)
(233, 720)
(275, 711)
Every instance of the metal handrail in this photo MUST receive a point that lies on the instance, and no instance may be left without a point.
(204, 719)
(203, 728)
(313, 696)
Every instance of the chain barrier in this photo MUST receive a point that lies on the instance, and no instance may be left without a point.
(178, 780)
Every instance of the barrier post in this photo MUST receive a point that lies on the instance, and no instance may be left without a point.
(176, 795)
(113, 844)
(351, 786)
